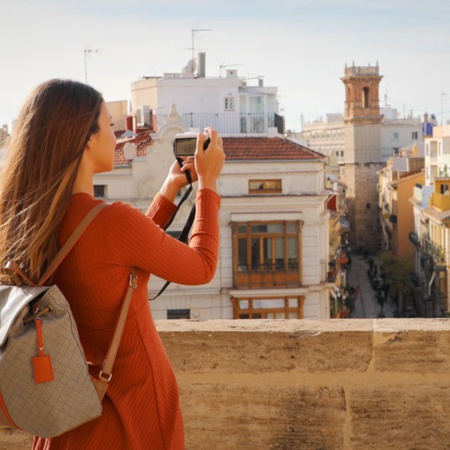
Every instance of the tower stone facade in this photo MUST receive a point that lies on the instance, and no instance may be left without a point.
(362, 156)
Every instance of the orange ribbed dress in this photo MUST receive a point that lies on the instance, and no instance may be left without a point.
(141, 409)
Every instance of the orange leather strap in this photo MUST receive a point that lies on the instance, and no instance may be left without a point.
(42, 364)
(108, 363)
(5, 418)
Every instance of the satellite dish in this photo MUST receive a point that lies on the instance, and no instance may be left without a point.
(191, 66)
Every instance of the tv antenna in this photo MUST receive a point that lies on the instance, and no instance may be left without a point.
(86, 51)
(226, 65)
(193, 31)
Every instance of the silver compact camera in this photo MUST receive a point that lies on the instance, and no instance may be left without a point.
(185, 144)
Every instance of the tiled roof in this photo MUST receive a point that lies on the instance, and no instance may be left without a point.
(142, 141)
(265, 148)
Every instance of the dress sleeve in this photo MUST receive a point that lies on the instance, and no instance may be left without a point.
(137, 240)
(161, 210)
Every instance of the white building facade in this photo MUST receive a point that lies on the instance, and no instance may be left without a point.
(328, 136)
(228, 104)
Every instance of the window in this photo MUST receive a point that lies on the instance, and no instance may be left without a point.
(395, 135)
(264, 186)
(99, 190)
(365, 97)
(268, 308)
(229, 103)
(178, 314)
(415, 135)
(266, 254)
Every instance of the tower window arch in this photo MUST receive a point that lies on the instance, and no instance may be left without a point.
(365, 97)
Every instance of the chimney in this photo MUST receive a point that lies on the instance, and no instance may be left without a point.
(201, 65)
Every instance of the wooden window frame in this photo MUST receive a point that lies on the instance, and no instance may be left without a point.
(263, 313)
(269, 273)
(264, 186)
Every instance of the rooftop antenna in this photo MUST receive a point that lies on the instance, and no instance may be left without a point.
(193, 31)
(226, 65)
(86, 51)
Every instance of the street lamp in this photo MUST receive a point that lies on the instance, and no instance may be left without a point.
(86, 51)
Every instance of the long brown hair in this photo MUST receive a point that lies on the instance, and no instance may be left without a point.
(43, 156)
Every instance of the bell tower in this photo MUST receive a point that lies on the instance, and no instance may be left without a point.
(362, 155)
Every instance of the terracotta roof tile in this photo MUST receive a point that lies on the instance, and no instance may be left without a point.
(265, 148)
(142, 141)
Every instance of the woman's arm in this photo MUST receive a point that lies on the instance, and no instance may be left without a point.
(204, 167)
(151, 249)
(136, 240)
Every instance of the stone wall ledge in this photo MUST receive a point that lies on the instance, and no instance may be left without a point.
(299, 384)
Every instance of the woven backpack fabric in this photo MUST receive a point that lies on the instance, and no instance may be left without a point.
(48, 408)
(45, 385)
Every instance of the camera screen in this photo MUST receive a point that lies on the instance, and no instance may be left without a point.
(185, 147)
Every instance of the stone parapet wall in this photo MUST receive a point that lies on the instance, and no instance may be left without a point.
(333, 384)
(300, 384)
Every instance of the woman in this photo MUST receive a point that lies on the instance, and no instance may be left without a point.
(62, 138)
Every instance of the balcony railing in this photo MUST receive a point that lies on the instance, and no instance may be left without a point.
(414, 239)
(436, 251)
(440, 201)
(234, 122)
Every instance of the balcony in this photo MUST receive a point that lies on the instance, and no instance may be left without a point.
(268, 275)
(440, 201)
(234, 122)
(414, 239)
(303, 384)
(434, 250)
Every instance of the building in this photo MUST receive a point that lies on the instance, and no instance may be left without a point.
(431, 237)
(327, 136)
(362, 157)
(396, 186)
(229, 104)
(274, 248)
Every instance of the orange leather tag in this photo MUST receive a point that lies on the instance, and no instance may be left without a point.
(42, 364)
(43, 371)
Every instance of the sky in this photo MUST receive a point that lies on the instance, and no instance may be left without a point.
(300, 46)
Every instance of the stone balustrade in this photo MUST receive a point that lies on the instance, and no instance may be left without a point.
(300, 384)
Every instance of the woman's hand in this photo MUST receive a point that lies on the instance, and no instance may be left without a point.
(178, 173)
(176, 179)
(205, 167)
(209, 163)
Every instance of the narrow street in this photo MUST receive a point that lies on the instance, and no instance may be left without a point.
(366, 305)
